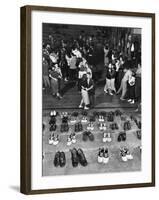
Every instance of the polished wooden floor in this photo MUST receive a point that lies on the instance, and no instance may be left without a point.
(71, 98)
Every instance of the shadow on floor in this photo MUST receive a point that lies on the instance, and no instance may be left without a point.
(15, 188)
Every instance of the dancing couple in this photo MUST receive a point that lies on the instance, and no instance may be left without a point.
(87, 92)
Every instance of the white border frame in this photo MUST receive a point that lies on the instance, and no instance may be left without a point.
(39, 182)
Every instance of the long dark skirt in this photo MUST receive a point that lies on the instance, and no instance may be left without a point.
(118, 79)
(130, 91)
(138, 88)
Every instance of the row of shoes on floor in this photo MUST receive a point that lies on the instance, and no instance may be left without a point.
(88, 135)
(104, 156)
(101, 117)
(71, 139)
(79, 127)
(77, 157)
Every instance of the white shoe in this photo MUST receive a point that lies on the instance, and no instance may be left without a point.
(132, 102)
(92, 128)
(74, 139)
(129, 157)
(88, 127)
(104, 127)
(73, 121)
(124, 158)
(55, 142)
(84, 120)
(105, 160)
(100, 128)
(109, 139)
(100, 159)
(86, 108)
(80, 106)
(51, 141)
(105, 156)
(129, 100)
(69, 141)
(105, 139)
(123, 155)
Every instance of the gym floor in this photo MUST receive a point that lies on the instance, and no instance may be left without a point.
(90, 149)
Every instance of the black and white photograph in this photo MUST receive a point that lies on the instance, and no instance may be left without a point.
(91, 99)
(88, 99)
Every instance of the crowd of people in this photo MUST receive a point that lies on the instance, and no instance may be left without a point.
(85, 59)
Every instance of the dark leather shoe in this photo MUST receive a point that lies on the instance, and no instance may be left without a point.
(76, 127)
(43, 126)
(138, 133)
(85, 136)
(74, 157)
(52, 120)
(119, 137)
(123, 135)
(128, 125)
(82, 158)
(90, 135)
(139, 125)
(116, 126)
(62, 159)
(53, 127)
(57, 159)
(62, 128)
(65, 119)
(80, 127)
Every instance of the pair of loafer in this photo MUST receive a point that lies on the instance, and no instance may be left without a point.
(71, 139)
(53, 127)
(107, 137)
(59, 159)
(118, 113)
(84, 119)
(88, 135)
(103, 155)
(114, 126)
(64, 127)
(65, 119)
(110, 117)
(53, 113)
(125, 154)
(77, 156)
(90, 126)
(102, 127)
(78, 127)
(101, 118)
(127, 126)
(121, 136)
(53, 140)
